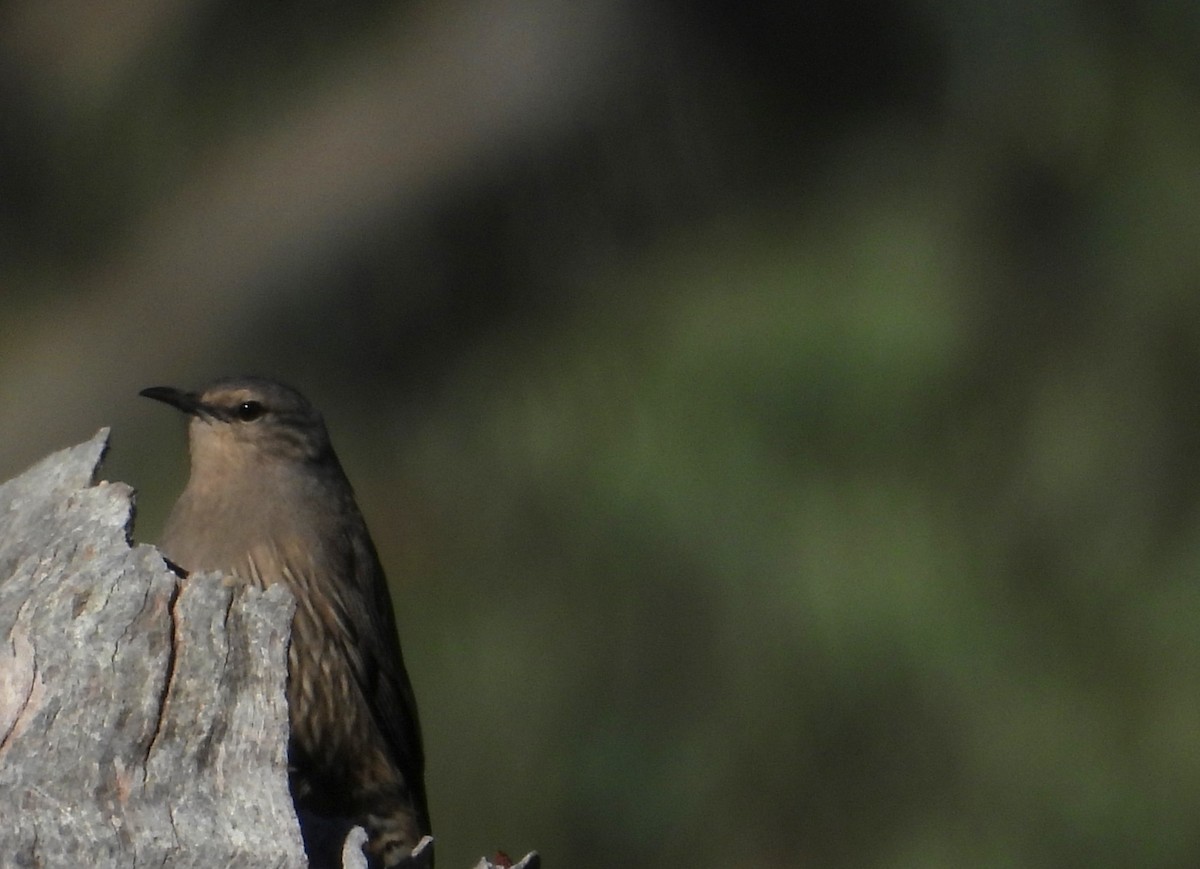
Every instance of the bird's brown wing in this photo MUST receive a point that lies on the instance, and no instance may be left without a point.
(384, 678)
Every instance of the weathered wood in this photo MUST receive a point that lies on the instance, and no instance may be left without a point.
(142, 717)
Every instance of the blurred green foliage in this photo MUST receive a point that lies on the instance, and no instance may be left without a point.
(789, 457)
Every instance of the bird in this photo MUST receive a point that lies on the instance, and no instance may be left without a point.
(267, 502)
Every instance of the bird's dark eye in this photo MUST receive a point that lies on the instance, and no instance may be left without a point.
(248, 411)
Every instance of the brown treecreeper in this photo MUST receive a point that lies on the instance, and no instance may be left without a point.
(266, 502)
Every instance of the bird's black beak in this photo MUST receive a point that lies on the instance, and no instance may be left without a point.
(188, 402)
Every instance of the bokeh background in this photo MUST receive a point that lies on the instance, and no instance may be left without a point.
(778, 420)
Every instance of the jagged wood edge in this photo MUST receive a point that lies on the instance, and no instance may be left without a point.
(142, 717)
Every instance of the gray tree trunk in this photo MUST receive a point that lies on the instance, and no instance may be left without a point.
(142, 716)
(143, 720)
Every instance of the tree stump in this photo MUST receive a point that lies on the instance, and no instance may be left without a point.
(143, 718)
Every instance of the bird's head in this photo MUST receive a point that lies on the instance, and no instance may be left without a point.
(239, 420)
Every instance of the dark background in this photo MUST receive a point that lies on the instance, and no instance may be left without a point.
(778, 421)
